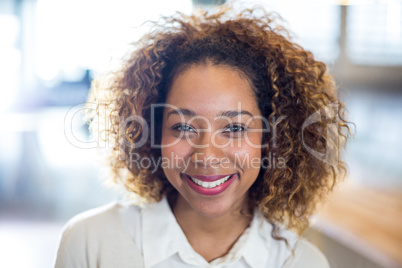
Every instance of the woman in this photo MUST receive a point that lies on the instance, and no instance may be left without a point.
(214, 125)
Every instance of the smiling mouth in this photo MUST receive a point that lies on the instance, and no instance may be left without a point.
(210, 184)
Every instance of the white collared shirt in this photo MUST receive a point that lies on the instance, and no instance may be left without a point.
(124, 235)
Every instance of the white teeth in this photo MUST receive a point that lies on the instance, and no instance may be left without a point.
(212, 184)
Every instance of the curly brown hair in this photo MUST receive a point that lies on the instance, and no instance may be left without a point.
(289, 83)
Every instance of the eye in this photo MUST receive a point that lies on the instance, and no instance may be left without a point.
(233, 128)
(183, 128)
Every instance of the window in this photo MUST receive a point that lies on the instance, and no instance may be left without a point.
(75, 35)
(374, 33)
(315, 24)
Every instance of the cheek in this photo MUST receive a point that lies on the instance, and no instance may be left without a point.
(246, 153)
(245, 157)
(175, 152)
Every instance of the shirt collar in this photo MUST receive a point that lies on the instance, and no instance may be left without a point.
(256, 250)
(163, 237)
(261, 249)
(158, 221)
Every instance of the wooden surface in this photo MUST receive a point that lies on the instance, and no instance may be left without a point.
(367, 220)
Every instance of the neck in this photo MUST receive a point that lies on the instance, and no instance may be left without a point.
(195, 225)
(210, 236)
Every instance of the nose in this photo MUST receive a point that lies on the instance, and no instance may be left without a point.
(207, 151)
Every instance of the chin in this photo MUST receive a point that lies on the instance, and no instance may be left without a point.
(214, 207)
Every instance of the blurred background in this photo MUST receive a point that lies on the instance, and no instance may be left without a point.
(49, 171)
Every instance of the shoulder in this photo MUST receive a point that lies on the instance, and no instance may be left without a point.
(306, 255)
(100, 220)
(96, 232)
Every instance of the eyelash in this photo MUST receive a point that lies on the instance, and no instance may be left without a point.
(180, 127)
(239, 126)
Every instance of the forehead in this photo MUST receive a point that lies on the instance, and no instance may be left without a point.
(208, 89)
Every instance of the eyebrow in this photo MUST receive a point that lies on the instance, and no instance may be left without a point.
(234, 113)
(230, 114)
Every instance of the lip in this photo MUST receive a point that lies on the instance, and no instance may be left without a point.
(209, 178)
(209, 191)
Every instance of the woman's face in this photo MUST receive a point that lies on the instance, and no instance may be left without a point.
(211, 138)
